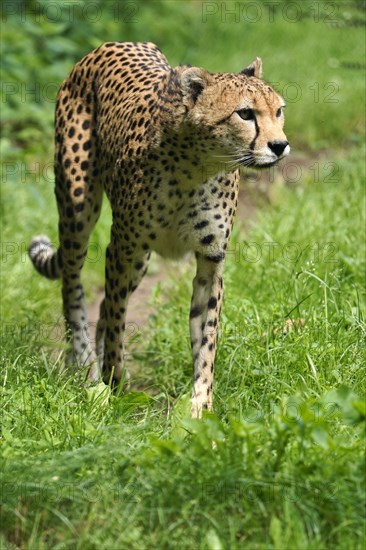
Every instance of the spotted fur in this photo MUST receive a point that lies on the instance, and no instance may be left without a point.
(165, 145)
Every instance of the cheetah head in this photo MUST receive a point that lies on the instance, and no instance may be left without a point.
(239, 114)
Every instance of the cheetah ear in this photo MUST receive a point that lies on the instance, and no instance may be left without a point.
(193, 81)
(254, 69)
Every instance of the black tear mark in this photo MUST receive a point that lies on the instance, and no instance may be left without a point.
(252, 145)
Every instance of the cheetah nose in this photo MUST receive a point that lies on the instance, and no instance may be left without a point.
(277, 146)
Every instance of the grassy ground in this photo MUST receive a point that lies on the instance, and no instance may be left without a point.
(84, 469)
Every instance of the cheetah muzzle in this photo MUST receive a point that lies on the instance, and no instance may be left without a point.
(165, 144)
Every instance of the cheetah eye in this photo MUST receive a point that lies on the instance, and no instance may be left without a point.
(279, 112)
(246, 114)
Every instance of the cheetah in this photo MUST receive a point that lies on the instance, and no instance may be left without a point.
(165, 144)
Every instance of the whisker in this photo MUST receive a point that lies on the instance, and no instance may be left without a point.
(236, 159)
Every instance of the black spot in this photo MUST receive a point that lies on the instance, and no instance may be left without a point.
(212, 303)
(207, 239)
(201, 225)
(78, 191)
(217, 258)
(195, 311)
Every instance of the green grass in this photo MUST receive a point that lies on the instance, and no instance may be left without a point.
(82, 468)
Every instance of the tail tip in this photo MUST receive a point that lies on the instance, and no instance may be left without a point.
(40, 243)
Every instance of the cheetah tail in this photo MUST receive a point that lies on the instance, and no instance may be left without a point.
(45, 258)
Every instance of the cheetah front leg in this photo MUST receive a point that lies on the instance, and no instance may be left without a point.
(125, 268)
(204, 323)
(100, 335)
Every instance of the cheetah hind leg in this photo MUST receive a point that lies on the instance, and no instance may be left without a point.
(80, 350)
(48, 262)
